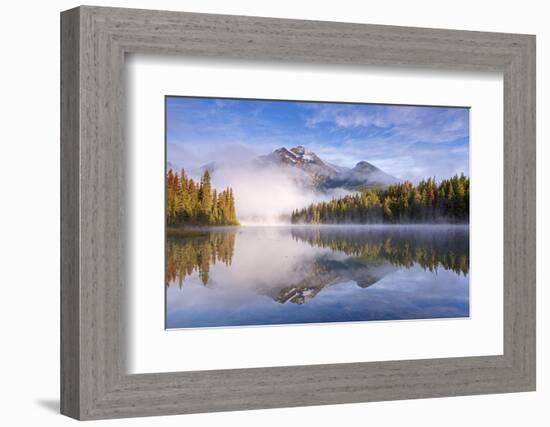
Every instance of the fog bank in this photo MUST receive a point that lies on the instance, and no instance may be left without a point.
(267, 194)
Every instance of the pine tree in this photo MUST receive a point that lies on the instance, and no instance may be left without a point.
(388, 214)
(232, 211)
(214, 212)
(206, 196)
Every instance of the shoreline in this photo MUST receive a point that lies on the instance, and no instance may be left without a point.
(189, 230)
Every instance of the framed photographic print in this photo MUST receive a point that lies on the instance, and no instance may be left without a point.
(261, 234)
(262, 213)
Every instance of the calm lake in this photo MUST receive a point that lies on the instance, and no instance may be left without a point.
(239, 276)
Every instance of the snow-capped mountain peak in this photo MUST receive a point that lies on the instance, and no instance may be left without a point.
(301, 159)
(296, 155)
(300, 150)
(284, 155)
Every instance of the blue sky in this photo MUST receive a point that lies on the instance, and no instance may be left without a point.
(409, 142)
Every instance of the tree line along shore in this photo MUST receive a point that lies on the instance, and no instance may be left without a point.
(428, 202)
(196, 203)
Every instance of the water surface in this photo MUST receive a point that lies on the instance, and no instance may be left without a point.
(311, 274)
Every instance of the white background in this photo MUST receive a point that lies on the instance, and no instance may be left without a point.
(154, 350)
(29, 241)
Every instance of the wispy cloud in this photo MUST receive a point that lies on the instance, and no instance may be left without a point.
(415, 123)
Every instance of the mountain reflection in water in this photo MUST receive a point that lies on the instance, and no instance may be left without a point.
(303, 274)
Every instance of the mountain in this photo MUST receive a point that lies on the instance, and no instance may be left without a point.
(364, 174)
(309, 170)
(323, 175)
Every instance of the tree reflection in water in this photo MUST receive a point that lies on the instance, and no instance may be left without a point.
(428, 247)
(196, 252)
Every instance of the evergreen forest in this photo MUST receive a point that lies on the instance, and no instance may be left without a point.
(428, 202)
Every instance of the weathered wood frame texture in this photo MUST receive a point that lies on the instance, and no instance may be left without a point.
(94, 41)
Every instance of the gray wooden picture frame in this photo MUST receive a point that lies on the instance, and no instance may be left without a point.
(94, 41)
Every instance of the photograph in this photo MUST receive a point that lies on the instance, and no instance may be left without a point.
(296, 212)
